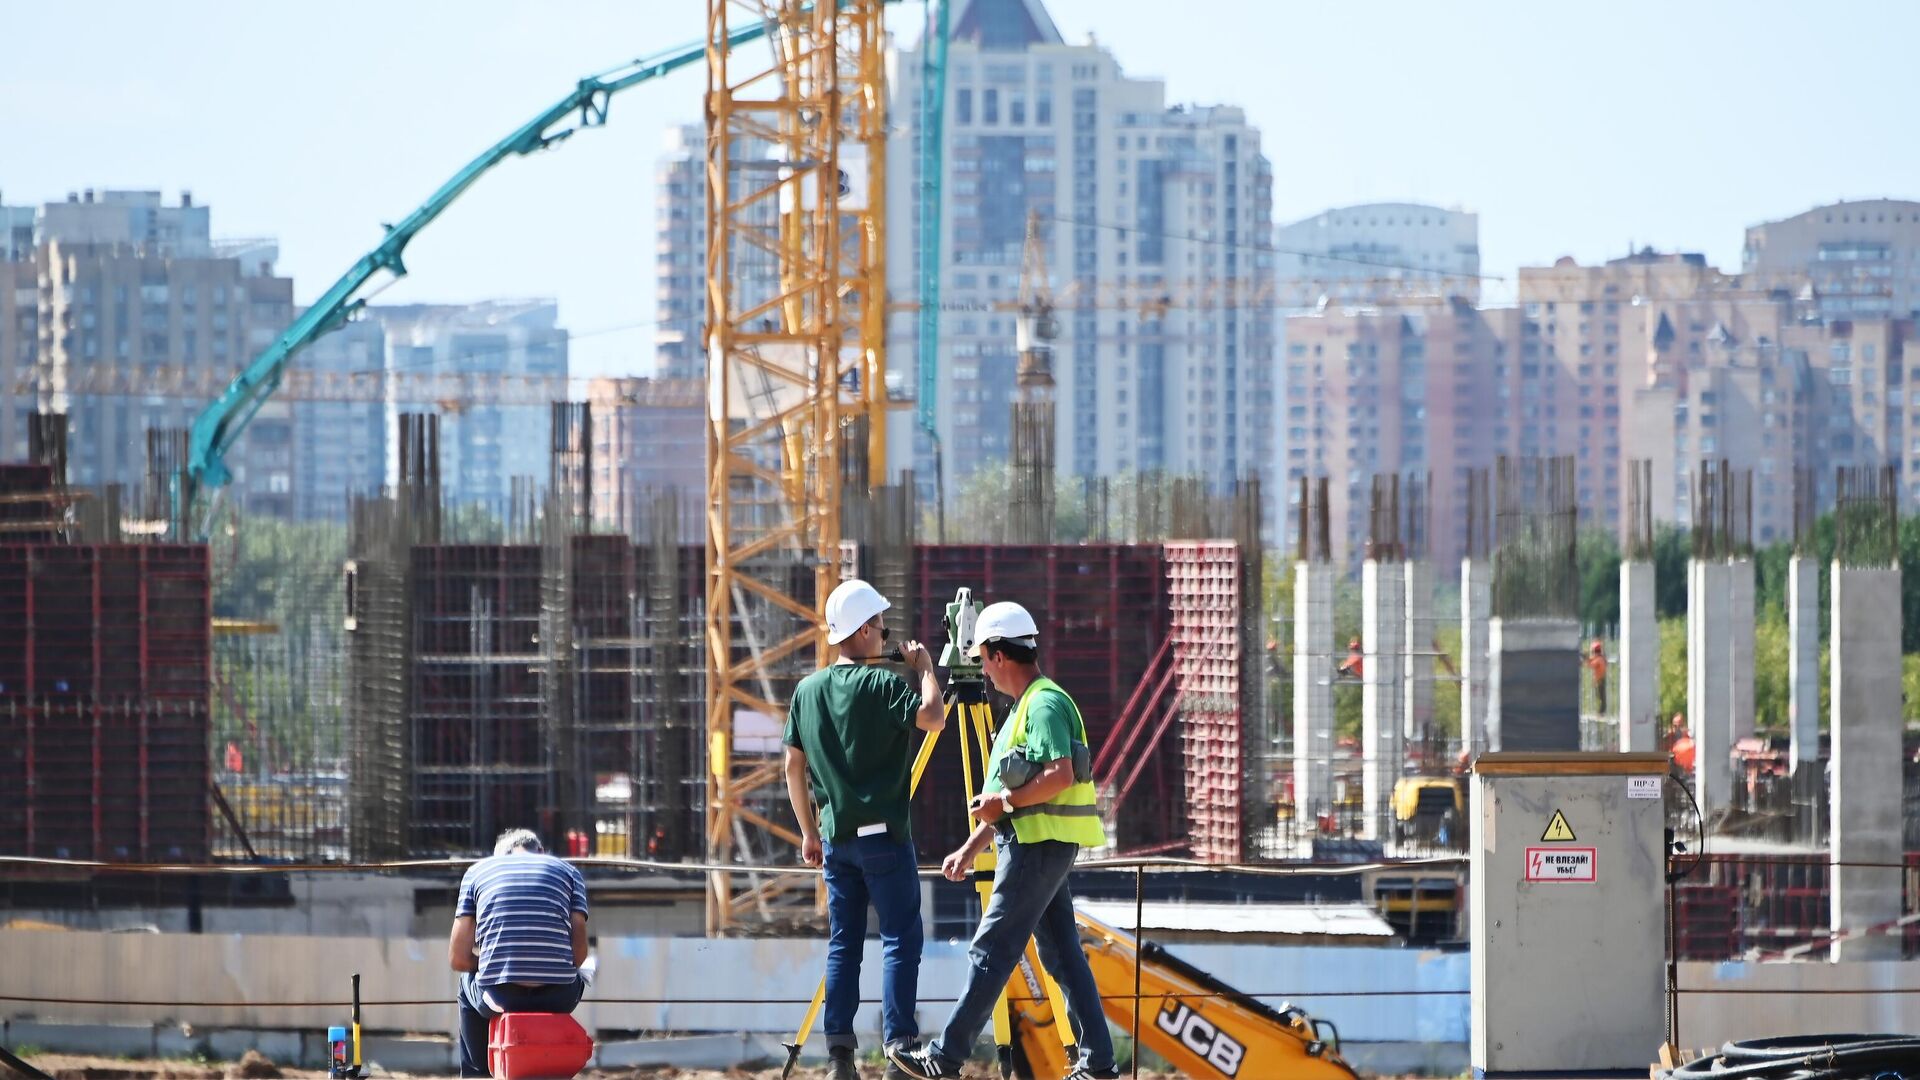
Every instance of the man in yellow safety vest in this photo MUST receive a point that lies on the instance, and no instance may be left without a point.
(1038, 806)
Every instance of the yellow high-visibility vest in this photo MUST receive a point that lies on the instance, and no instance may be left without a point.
(1072, 815)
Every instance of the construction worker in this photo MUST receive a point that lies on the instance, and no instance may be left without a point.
(849, 749)
(1355, 665)
(1597, 664)
(1680, 743)
(519, 940)
(1037, 804)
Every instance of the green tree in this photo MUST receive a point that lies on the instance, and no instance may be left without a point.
(1598, 554)
(1671, 549)
(1673, 668)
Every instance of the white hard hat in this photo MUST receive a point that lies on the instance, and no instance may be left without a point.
(849, 606)
(1005, 621)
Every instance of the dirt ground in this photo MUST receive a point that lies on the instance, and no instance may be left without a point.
(75, 1067)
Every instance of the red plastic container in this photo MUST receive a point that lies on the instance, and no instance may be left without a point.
(537, 1046)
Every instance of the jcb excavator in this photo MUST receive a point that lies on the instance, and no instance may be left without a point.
(1200, 1025)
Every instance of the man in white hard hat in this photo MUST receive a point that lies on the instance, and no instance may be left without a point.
(1038, 806)
(849, 749)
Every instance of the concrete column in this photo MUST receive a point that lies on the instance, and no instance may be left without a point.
(1476, 609)
(1709, 683)
(1417, 711)
(1864, 664)
(1533, 684)
(1313, 666)
(1639, 694)
(1382, 620)
(1803, 664)
(1740, 643)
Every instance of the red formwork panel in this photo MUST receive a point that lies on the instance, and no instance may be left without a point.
(103, 700)
(1102, 616)
(1204, 594)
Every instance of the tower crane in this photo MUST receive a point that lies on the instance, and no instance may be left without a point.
(796, 158)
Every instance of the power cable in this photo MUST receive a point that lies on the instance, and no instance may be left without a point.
(1807, 1057)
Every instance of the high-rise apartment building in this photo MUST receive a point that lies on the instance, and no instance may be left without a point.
(483, 446)
(680, 255)
(649, 438)
(1154, 219)
(1422, 388)
(339, 447)
(680, 247)
(1377, 252)
(1652, 356)
(121, 313)
(1862, 259)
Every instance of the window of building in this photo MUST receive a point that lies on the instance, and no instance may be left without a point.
(989, 106)
(963, 106)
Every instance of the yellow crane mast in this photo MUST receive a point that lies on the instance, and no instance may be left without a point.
(796, 396)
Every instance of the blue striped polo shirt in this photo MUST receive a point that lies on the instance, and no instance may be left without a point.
(522, 906)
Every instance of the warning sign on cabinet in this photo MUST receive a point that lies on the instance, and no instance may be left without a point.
(1571, 864)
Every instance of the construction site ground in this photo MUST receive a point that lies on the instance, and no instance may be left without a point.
(78, 1067)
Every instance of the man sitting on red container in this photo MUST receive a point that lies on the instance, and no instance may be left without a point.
(519, 939)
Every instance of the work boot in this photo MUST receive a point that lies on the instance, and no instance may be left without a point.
(840, 1064)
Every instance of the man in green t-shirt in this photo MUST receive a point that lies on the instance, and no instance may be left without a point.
(1038, 805)
(850, 750)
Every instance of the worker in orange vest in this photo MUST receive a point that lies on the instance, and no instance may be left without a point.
(1355, 664)
(1679, 743)
(1597, 663)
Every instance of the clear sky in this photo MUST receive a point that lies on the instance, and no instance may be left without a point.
(1573, 129)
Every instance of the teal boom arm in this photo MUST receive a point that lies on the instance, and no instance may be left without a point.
(220, 425)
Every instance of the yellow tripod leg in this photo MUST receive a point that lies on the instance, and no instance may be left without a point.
(920, 759)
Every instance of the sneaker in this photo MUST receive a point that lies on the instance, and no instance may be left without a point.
(921, 1063)
(1085, 1073)
(902, 1046)
(840, 1064)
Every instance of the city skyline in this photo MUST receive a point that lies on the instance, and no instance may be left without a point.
(319, 168)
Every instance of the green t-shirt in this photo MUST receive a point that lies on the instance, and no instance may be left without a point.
(1051, 733)
(855, 724)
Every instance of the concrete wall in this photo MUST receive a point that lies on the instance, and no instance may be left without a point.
(1476, 613)
(1709, 683)
(1866, 783)
(1800, 999)
(1740, 648)
(1416, 713)
(1312, 688)
(1533, 684)
(1382, 622)
(1803, 661)
(1639, 659)
(1391, 1033)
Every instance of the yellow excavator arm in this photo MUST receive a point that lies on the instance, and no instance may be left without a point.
(1200, 1025)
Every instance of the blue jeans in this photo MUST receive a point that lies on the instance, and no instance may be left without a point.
(476, 1015)
(883, 871)
(1030, 899)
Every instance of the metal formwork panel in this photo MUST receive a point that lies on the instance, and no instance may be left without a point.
(1204, 595)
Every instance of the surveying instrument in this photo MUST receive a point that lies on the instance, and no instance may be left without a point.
(1030, 986)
